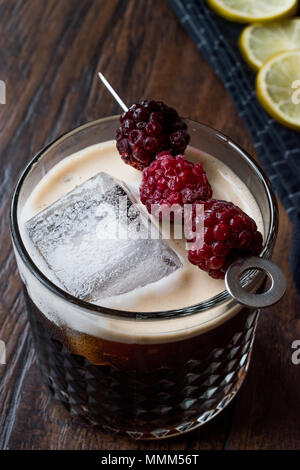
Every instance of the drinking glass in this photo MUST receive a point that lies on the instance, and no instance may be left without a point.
(148, 375)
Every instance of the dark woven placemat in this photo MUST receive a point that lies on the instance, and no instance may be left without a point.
(278, 147)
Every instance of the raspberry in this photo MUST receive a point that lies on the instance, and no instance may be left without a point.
(173, 180)
(229, 233)
(148, 128)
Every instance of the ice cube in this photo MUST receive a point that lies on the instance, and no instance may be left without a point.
(95, 249)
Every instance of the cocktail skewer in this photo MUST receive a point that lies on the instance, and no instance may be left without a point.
(113, 92)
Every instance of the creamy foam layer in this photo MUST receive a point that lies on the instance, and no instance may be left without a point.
(186, 287)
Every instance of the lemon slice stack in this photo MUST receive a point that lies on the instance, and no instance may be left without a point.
(259, 42)
(270, 46)
(247, 11)
(278, 87)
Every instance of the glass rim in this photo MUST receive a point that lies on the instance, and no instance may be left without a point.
(212, 302)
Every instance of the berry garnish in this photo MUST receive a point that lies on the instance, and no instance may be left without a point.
(229, 233)
(148, 128)
(173, 180)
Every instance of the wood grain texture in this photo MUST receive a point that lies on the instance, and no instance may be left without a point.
(51, 51)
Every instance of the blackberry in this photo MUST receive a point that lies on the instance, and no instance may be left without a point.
(229, 233)
(146, 129)
(173, 180)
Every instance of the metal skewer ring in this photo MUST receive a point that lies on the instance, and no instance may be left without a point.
(253, 300)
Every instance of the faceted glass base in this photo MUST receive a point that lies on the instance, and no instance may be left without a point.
(157, 404)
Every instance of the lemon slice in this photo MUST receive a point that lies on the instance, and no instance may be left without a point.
(247, 11)
(278, 87)
(258, 42)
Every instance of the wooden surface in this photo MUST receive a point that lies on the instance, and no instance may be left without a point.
(50, 53)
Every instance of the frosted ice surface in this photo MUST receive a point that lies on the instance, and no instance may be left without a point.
(82, 238)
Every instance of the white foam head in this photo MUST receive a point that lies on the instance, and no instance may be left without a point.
(188, 286)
